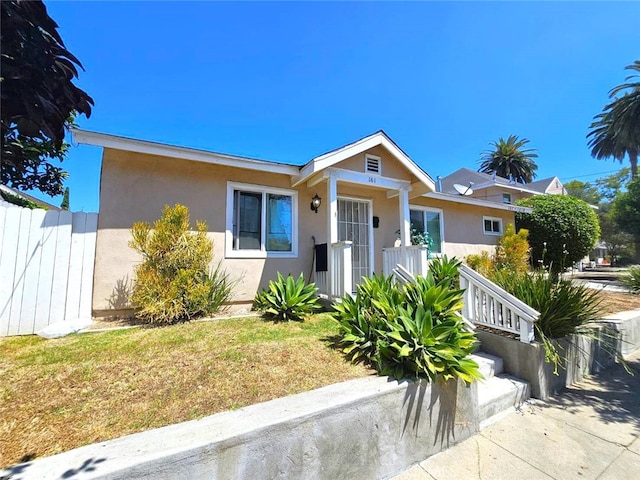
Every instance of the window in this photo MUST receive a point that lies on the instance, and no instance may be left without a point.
(506, 198)
(492, 225)
(372, 164)
(429, 220)
(261, 221)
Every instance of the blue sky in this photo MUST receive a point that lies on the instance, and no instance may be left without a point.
(288, 81)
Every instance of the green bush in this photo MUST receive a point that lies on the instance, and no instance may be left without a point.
(631, 279)
(511, 253)
(173, 283)
(565, 308)
(287, 299)
(562, 229)
(407, 332)
(512, 250)
(483, 263)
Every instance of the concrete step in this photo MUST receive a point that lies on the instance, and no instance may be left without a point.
(500, 395)
(490, 365)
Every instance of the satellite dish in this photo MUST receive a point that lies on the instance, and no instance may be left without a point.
(462, 190)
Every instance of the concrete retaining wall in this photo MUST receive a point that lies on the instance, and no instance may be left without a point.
(628, 324)
(584, 355)
(370, 428)
(527, 360)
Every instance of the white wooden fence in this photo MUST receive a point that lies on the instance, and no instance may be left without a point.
(46, 267)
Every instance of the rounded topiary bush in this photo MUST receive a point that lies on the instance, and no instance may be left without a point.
(562, 229)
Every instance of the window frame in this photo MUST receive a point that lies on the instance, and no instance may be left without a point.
(262, 252)
(506, 195)
(492, 219)
(440, 212)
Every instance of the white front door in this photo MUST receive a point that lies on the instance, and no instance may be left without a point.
(354, 225)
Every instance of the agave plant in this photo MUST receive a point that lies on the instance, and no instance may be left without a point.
(361, 318)
(632, 279)
(407, 332)
(446, 269)
(287, 299)
(418, 345)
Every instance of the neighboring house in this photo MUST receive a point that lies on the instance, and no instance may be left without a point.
(26, 196)
(262, 220)
(497, 189)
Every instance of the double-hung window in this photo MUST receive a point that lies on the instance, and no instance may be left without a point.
(429, 220)
(261, 221)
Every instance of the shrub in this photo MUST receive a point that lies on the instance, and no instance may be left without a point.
(565, 308)
(407, 332)
(173, 282)
(483, 263)
(631, 280)
(562, 229)
(512, 251)
(287, 299)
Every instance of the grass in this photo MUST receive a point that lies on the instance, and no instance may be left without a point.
(60, 394)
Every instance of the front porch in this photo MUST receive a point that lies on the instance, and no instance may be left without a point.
(351, 251)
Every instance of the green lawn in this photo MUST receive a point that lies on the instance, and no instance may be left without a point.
(56, 395)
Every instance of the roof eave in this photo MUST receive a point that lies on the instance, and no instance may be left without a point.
(153, 148)
(477, 202)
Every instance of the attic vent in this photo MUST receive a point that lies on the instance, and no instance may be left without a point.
(372, 164)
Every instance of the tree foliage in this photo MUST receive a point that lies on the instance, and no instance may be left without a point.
(620, 245)
(627, 209)
(611, 185)
(39, 99)
(615, 131)
(603, 193)
(65, 199)
(509, 159)
(585, 191)
(562, 229)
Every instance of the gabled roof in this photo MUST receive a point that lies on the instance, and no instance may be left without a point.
(329, 159)
(544, 185)
(479, 181)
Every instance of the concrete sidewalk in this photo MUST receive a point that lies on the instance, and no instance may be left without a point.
(591, 431)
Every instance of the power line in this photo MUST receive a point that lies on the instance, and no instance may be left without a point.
(590, 175)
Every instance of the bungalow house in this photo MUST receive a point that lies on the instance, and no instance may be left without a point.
(336, 218)
(497, 189)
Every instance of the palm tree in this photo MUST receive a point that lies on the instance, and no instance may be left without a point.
(510, 160)
(616, 131)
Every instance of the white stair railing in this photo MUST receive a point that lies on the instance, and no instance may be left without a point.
(485, 303)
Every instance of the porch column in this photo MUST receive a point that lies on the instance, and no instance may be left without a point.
(332, 229)
(405, 224)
